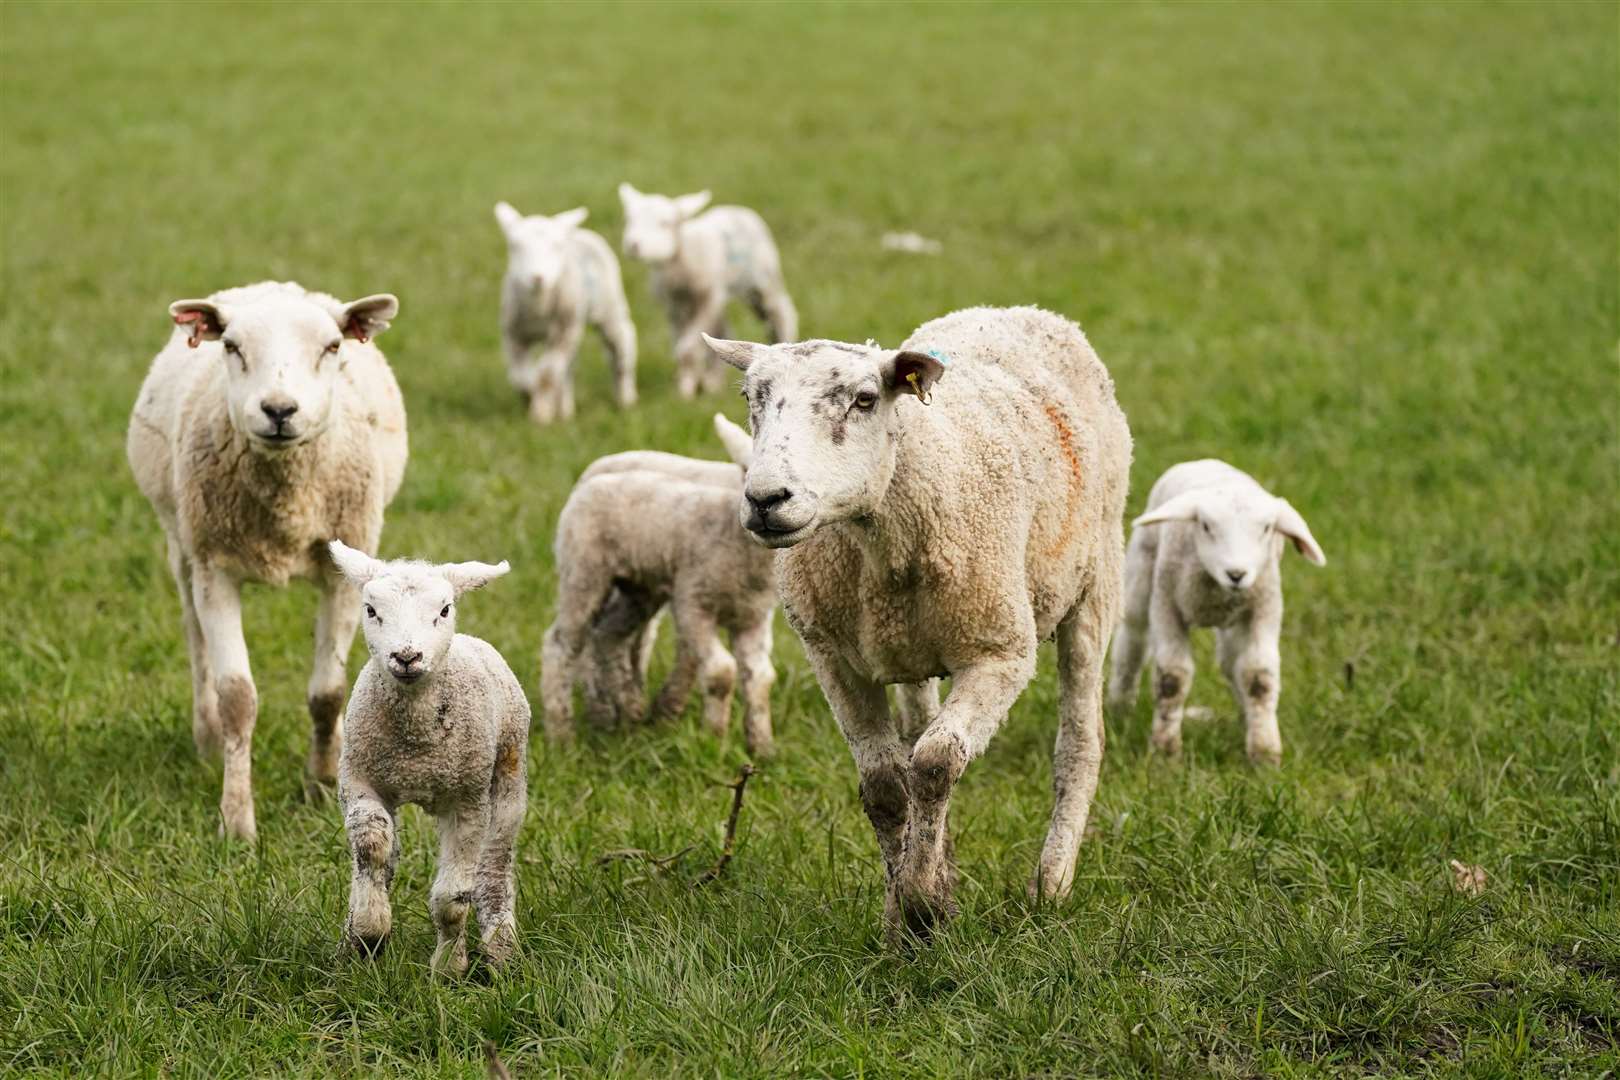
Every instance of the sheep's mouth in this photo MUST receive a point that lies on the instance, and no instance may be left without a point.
(773, 537)
(407, 676)
(279, 437)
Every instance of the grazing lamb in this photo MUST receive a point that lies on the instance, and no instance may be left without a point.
(267, 426)
(1208, 553)
(629, 543)
(439, 720)
(700, 261)
(919, 542)
(561, 278)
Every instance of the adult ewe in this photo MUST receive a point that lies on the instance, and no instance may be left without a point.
(944, 541)
(267, 426)
(1208, 552)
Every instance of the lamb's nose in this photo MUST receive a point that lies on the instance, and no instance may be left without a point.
(1236, 576)
(762, 504)
(278, 408)
(405, 657)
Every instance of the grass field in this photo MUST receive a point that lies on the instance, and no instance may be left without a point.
(1367, 252)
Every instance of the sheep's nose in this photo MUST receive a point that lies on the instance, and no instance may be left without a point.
(405, 657)
(278, 409)
(1236, 576)
(763, 504)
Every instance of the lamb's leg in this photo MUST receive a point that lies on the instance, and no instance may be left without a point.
(1082, 638)
(374, 852)
(918, 705)
(699, 659)
(204, 702)
(497, 885)
(1131, 637)
(753, 648)
(553, 397)
(559, 652)
(461, 839)
(775, 306)
(1256, 676)
(219, 613)
(716, 372)
(619, 339)
(336, 619)
(1173, 673)
(979, 699)
(692, 356)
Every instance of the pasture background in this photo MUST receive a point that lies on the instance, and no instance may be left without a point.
(1366, 252)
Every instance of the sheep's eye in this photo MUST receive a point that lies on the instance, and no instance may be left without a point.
(445, 613)
(331, 350)
(1207, 530)
(866, 401)
(371, 612)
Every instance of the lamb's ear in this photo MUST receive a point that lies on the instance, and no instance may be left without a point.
(572, 219)
(906, 372)
(1183, 507)
(507, 215)
(738, 443)
(627, 193)
(464, 576)
(356, 565)
(201, 317)
(739, 354)
(690, 206)
(367, 317)
(1291, 525)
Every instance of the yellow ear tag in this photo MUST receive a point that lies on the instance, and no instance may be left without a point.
(911, 377)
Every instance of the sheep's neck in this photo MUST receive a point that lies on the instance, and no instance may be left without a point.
(418, 710)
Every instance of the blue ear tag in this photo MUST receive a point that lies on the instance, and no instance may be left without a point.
(941, 357)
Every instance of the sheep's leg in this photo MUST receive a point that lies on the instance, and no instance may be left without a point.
(336, 619)
(1250, 652)
(374, 851)
(559, 654)
(753, 648)
(1131, 637)
(692, 356)
(497, 885)
(618, 334)
(700, 659)
(205, 731)
(716, 372)
(918, 705)
(219, 613)
(1082, 639)
(775, 307)
(1173, 674)
(553, 396)
(979, 699)
(461, 838)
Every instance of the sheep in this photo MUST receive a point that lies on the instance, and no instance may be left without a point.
(1208, 552)
(268, 425)
(699, 262)
(437, 719)
(915, 543)
(627, 544)
(561, 278)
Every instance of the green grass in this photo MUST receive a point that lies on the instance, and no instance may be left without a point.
(1367, 252)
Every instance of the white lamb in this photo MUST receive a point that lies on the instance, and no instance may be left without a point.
(436, 719)
(700, 261)
(561, 278)
(628, 543)
(698, 471)
(267, 426)
(919, 542)
(1208, 553)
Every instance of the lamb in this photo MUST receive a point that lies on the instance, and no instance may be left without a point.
(1208, 553)
(268, 425)
(914, 543)
(627, 544)
(561, 278)
(696, 470)
(699, 262)
(437, 719)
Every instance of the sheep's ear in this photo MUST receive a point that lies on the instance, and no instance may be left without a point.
(507, 215)
(202, 318)
(1291, 525)
(367, 317)
(356, 565)
(739, 354)
(1183, 507)
(906, 372)
(465, 576)
(690, 206)
(572, 219)
(738, 443)
(627, 193)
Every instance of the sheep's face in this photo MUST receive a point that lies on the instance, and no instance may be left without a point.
(825, 424)
(538, 246)
(1237, 532)
(652, 223)
(408, 608)
(283, 356)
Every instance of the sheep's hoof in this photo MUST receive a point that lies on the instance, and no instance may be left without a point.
(1266, 757)
(238, 831)
(498, 944)
(318, 790)
(913, 918)
(368, 946)
(450, 959)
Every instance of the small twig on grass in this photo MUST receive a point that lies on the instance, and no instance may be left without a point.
(730, 846)
(492, 1063)
(660, 862)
